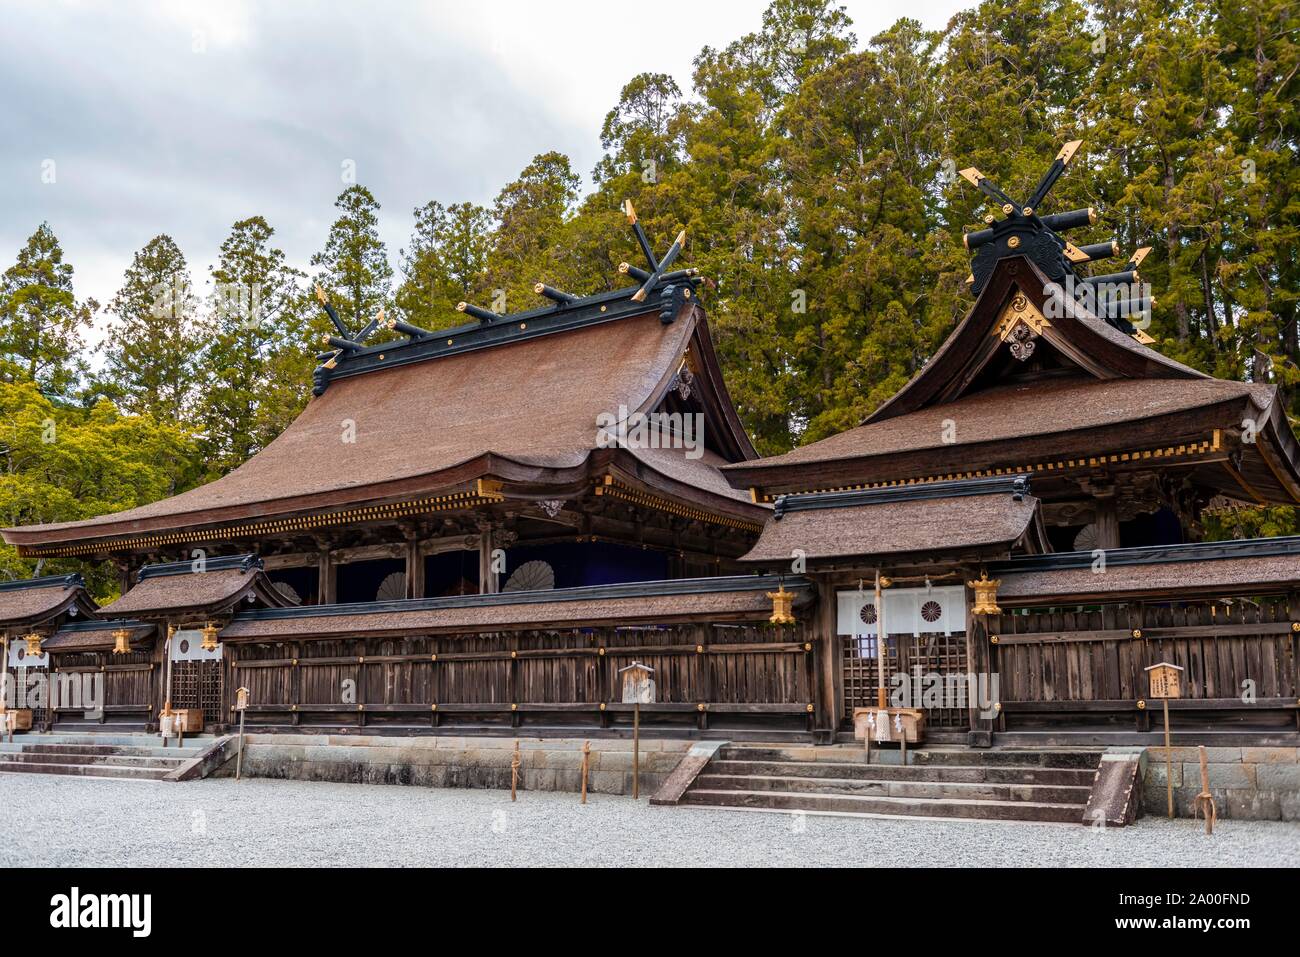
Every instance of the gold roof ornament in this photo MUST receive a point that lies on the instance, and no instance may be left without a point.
(782, 606)
(209, 637)
(122, 641)
(986, 595)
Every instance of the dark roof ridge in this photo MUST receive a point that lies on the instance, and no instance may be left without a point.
(73, 580)
(513, 327)
(1153, 554)
(220, 563)
(678, 586)
(103, 624)
(1017, 486)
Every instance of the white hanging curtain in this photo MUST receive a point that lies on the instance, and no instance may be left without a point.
(187, 645)
(939, 608)
(19, 658)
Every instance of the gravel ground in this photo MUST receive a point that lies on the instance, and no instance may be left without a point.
(60, 821)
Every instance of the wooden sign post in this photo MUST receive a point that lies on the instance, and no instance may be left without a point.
(638, 689)
(1166, 683)
(241, 705)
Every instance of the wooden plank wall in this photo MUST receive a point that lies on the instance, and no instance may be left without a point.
(1084, 666)
(128, 685)
(725, 674)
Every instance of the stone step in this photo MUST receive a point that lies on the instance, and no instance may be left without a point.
(910, 772)
(901, 806)
(948, 757)
(100, 750)
(111, 760)
(8, 765)
(139, 739)
(977, 791)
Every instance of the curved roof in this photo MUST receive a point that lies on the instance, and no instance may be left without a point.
(988, 517)
(34, 601)
(223, 585)
(974, 409)
(523, 410)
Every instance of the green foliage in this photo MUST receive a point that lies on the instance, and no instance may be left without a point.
(529, 216)
(815, 177)
(354, 267)
(60, 464)
(151, 352)
(445, 264)
(257, 362)
(41, 322)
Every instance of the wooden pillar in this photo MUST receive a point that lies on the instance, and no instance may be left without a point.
(1107, 520)
(159, 683)
(979, 661)
(326, 587)
(826, 647)
(124, 575)
(414, 568)
(487, 578)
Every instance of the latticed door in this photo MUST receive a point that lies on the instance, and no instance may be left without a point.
(197, 684)
(930, 661)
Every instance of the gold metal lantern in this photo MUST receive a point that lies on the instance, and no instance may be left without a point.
(33, 644)
(121, 641)
(986, 595)
(782, 606)
(209, 637)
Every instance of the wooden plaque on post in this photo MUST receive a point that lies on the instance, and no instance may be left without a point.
(1166, 680)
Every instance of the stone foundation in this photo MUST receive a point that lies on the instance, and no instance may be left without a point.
(456, 762)
(1254, 784)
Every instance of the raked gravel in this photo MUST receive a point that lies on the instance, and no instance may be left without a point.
(48, 820)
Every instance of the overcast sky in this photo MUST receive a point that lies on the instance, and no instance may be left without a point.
(184, 117)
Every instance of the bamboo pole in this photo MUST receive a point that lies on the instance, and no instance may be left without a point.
(1169, 763)
(239, 754)
(636, 751)
(514, 771)
(586, 763)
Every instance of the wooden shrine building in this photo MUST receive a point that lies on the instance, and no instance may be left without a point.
(478, 528)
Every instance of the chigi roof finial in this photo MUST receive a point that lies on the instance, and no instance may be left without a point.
(676, 288)
(1022, 231)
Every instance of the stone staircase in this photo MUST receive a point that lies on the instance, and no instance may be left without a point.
(132, 756)
(1002, 785)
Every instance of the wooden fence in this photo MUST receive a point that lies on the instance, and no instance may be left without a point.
(1082, 667)
(707, 674)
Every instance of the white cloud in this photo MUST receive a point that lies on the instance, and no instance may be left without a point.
(183, 118)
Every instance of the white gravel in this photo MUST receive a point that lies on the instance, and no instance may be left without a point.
(59, 821)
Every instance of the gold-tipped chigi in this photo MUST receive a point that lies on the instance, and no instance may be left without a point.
(971, 175)
(630, 211)
(1068, 151)
(320, 294)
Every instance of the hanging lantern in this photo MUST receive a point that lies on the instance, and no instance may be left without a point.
(34, 644)
(209, 637)
(122, 641)
(986, 595)
(782, 606)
